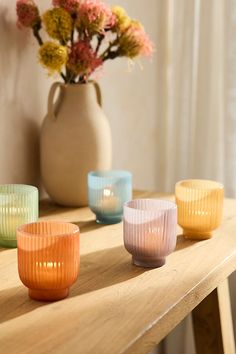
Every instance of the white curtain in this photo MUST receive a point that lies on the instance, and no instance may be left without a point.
(197, 88)
(197, 108)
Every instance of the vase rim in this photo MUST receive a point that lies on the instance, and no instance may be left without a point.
(76, 85)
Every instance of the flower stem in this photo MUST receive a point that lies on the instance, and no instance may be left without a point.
(100, 39)
(37, 35)
(63, 76)
(36, 30)
(72, 32)
(70, 76)
(112, 55)
(108, 51)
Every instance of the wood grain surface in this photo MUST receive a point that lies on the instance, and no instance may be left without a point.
(114, 307)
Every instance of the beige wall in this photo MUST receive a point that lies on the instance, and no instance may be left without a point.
(22, 101)
(130, 102)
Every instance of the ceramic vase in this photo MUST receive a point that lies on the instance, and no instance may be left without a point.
(75, 139)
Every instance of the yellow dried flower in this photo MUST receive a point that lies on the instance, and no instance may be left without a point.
(136, 24)
(53, 56)
(122, 19)
(58, 23)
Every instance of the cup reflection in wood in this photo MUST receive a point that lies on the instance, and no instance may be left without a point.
(48, 258)
(150, 231)
(200, 207)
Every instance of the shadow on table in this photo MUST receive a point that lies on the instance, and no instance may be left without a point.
(105, 268)
(86, 226)
(108, 267)
(15, 302)
(5, 249)
(183, 243)
(49, 208)
(99, 270)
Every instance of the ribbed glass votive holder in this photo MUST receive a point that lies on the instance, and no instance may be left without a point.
(48, 258)
(18, 205)
(200, 207)
(150, 231)
(107, 192)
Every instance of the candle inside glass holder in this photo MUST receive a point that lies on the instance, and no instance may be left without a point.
(150, 231)
(18, 205)
(200, 207)
(109, 202)
(108, 191)
(48, 258)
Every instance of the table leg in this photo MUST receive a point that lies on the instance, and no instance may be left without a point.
(212, 323)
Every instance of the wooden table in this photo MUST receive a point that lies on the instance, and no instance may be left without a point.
(116, 307)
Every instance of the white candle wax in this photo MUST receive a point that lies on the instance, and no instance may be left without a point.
(109, 202)
(14, 217)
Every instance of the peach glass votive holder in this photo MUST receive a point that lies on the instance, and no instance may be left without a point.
(48, 258)
(200, 207)
(18, 206)
(150, 231)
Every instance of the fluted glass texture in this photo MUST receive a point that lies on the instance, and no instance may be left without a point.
(48, 258)
(200, 207)
(18, 206)
(150, 230)
(107, 192)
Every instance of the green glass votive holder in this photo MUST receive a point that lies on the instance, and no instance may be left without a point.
(18, 206)
(107, 193)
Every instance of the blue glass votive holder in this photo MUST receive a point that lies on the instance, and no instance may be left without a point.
(107, 193)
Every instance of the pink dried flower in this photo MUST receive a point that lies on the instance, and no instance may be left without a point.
(82, 59)
(94, 17)
(146, 44)
(27, 13)
(135, 41)
(71, 6)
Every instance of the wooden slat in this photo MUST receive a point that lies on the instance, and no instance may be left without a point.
(207, 326)
(212, 322)
(226, 317)
(114, 307)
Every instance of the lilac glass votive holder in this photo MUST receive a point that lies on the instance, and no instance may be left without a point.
(150, 231)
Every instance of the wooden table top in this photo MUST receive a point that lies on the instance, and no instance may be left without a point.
(114, 307)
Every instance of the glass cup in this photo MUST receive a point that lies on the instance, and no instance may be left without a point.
(18, 205)
(200, 207)
(150, 231)
(48, 258)
(107, 192)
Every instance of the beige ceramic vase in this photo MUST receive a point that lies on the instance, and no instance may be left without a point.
(75, 139)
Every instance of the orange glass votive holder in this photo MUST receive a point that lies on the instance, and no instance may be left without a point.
(200, 207)
(48, 258)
